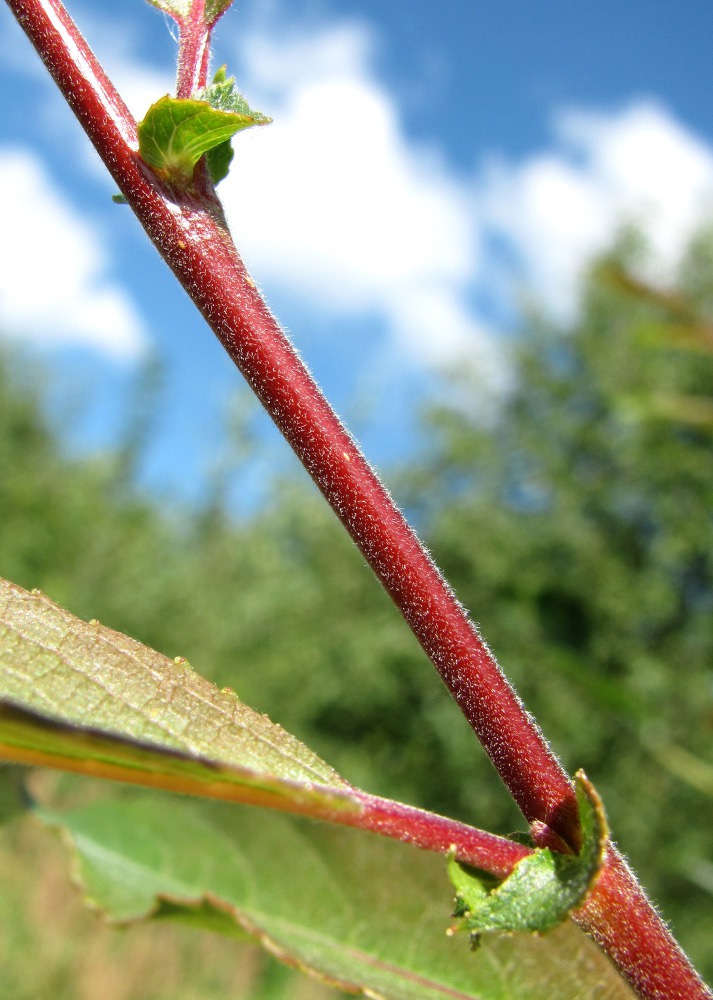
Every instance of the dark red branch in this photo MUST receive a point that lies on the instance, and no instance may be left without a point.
(193, 239)
(621, 919)
(76, 71)
(193, 51)
(191, 236)
(210, 269)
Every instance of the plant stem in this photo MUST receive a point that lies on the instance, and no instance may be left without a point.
(191, 235)
(622, 921)
(193, 51)
(345, 806)
(432, 832)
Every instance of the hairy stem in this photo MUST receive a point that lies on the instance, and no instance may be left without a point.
(432, 832)
(621, 919)
(191, 235)
(193, 51)
(374, 814)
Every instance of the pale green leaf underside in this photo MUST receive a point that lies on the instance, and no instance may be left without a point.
(144, 711)
(544, 888)
(222, 95)
(363, 912)
(360, 911)
(215, 7)
(181, 9)
(174, 134)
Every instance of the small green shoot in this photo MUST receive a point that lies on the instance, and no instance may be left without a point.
(176, 133)
(543, 889)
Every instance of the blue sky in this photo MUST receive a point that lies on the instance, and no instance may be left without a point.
(430, 163)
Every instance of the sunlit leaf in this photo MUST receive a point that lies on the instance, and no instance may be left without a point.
(174, 134)
(222, 95)
(80, 696)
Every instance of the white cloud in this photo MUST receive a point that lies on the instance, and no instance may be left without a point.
(560, 208)
(333, 203)
(344, 210)
(54, 280)
(139, 85)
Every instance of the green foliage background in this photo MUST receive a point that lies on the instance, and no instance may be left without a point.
(576, 526)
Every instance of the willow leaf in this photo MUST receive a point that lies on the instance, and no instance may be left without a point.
(81, 696)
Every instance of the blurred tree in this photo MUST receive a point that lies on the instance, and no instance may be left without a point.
(278, 605)
(576, 525)
(579, 529)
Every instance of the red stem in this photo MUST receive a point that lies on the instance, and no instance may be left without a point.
(426, 830)
(192, 237)
(193, 51)
(623, 922)
(432, 832)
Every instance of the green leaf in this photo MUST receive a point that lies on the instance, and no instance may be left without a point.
(360, 911)
(181, 9)
(174, 134)
(222, 96)
(364, 913)
(544, 888)
(81, 697)
(13, 797)
(153, 720)
(214, 8)
(219, 159)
